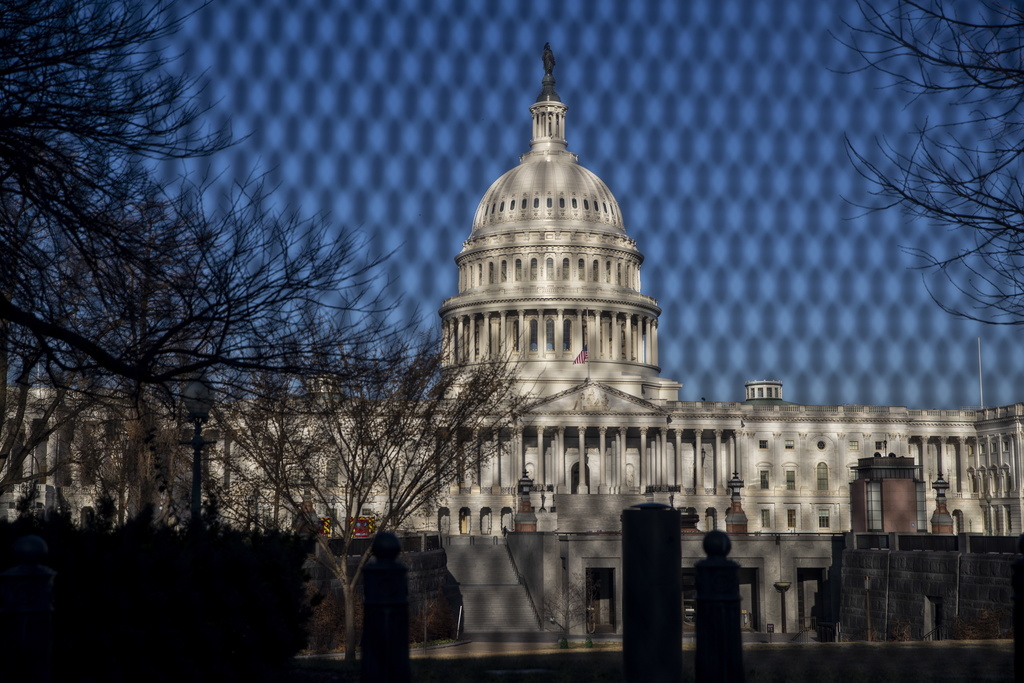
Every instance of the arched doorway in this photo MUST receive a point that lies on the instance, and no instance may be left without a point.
(464, 520)
(485, 521)
(444, 521)
(506, 519)
(710, 519)
(575, 478)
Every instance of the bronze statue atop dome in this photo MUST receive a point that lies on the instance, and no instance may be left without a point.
(549, 59)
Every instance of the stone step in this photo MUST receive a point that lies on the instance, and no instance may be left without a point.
(492, 598)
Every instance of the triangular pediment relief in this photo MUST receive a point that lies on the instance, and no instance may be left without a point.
(594, 397)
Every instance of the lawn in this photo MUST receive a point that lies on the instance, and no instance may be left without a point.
(812, 662)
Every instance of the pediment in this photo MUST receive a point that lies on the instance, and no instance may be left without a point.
(596, 398)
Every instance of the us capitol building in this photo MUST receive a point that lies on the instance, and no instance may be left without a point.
(550, 277)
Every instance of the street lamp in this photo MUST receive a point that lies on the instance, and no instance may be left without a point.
(782, 587)
(198, 399)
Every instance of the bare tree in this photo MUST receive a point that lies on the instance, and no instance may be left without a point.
(566, 608)
(393, 441)
(117, 275)
(965, 175)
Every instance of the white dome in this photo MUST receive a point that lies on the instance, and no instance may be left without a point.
(548, 185)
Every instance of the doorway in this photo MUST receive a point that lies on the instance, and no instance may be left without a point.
(600, 596)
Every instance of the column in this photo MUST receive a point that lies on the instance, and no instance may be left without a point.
(578, 340)
(677, 474)
(472, 337)
(654, 341)
(521, 342)
(496, 463)
(664, 447)
(503, 335)
(460, 352)
(542, 464)
(621, 464)
(520, 464)
(606, 479)
(698, 463)
(485, 330)
(645, 468)
(718, 458)
(629, 337)
(560, 333)
(560, 458)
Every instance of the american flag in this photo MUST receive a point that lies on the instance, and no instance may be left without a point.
(582, 357)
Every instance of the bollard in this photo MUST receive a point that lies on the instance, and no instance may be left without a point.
(652, 600)
(26, 613)
(1017, 579)
(719, 647)
(385, 615)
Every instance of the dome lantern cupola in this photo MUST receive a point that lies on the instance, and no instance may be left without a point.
(548, 111)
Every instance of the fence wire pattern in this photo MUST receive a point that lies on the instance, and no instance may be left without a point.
(718, 124)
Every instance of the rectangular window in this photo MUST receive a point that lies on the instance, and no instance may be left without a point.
(874, 491)
(823, 521)
(789, 444)
(853, 445)
(791, 519)
(791, 480)
(764, 479)
(762, 444)
(822, 472)
(880, 446)
(766, 519)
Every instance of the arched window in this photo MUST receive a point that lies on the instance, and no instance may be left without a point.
(549, 335)
(504, 271)
(618, 274)
(490, 273)
(581, 270)
(822, 471)
(512, 205)
(479, 274)
(561, 202)
(533, 269)
(549, 202)
(536, 202)
(566, 335)
(574, 204)
(519, 270)
(565, 269)
(608, 271)
(549, 269)
(515, 335)
(533, 335)
(596, 274)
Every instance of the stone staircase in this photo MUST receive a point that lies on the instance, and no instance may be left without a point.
(492, 598)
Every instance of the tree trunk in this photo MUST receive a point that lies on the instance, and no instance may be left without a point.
(349, 592)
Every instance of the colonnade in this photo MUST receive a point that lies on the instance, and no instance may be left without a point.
(551, 333)
(615, 459)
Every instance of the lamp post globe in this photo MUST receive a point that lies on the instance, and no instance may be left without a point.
(198, 399)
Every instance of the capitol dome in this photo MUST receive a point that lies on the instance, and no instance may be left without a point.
(548, 185)
(549, 279)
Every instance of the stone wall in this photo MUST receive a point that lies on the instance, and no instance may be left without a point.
(913, 593)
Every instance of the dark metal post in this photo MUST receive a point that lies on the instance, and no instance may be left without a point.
(26, 614)
(652, 601)
(1017, 577)
(385, 614)
(719, 647)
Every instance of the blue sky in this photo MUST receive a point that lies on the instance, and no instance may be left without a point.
(717, 124)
